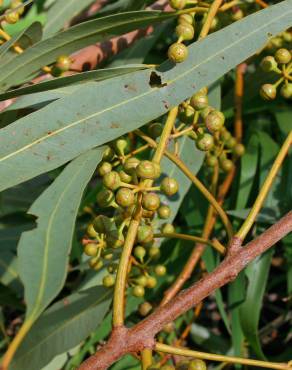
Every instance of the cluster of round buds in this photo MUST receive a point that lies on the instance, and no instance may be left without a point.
(282, 40)
(196, 364)
(208, 130)
(280, 63)
(125, 180)
(63, 64)
(185, 31)
(13, 13)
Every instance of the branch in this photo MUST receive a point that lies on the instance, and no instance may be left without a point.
(124, 340)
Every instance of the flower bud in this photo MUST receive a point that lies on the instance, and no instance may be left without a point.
(138, 291)
(151, 282)
(268, 64)
(125, 197)
(115, 239)
(268, 92)
(150, 201)
(105, 198)
(108, 281)
(177, 52)
(215, 121)
(144, 234)
(167, 228)
(147, 170)
(160, 270)
(197, 364)
(199, 101)
(169, 186)
(111, 180)
(164, 212)
(205, 142)
(145, 308)
(140, 252)
(63, 63)
(286, 91)
(155, 129)
(185, 31)
(283, 56)
(178, 4)
(90, 249)
(104, 168)
(102, 224)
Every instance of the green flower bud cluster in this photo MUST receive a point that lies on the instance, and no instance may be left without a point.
(124, 179)
(207, 128)
(280, 63)
(185, 31)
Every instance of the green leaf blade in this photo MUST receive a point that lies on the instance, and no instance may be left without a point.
(43, 251)
(47, 139)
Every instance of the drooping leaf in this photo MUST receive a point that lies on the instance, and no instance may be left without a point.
(75, 38)
(52, 131)
(43, 251)
(63, 326)
(24, 39)
(257, 274)
(61, 12)
(98, 75)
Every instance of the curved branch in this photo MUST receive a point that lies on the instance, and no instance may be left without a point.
(124, 340)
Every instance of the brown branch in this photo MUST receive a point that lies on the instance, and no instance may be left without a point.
(124, 340)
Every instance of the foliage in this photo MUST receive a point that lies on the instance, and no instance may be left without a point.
(172, 120)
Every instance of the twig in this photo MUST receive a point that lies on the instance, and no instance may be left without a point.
(124, 340)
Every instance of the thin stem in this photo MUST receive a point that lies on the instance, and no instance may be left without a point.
(160, 347)
(262, 3)
(211, 15)
(246, 226)
(121, 279)
(193, 238)
(146, 357)
(229, 5)
(239, 89)
(165, 135)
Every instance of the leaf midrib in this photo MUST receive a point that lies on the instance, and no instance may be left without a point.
(144, 94)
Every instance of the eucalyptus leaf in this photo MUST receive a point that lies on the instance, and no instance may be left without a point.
(61, 12)
(257, 274)
(46, 139)
(75, 38)
(60, 82)
(43, 252)
(63, 326)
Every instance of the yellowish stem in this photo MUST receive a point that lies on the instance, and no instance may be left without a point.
(120, 286)
(218, 246)
(246, 226)
(146, 357)
(211, 15)
(8, 356)
(121, 279)
(212, 357)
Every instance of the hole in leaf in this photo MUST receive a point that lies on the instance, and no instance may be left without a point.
(155, 80)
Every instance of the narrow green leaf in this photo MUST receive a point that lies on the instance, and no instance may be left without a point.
(63, 326)
(47, 139)
(61, 12)
(43, 252)
(24, 39)
(211, 260)
(236, 295)
(75, 38)
(257, 273)
(248, 169)
(98, 75)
